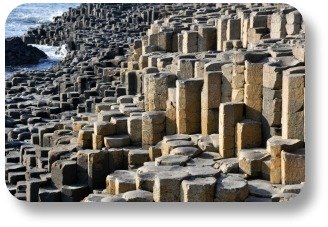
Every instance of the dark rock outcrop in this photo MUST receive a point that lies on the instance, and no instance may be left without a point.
(19, 53)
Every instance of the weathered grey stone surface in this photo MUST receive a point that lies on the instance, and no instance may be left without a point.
(138, 196)
(114, 198)
(49, 195)
(145, 181)
(186, 151)
(250, 161)
(171, 160)
(198, 190)
(117, 141)
(161, 102)
(202, 171)
(261, 188)
(74, 193)
(120, 181)
(229, 165)
(231, 189)
(167, 186)
(63, 172)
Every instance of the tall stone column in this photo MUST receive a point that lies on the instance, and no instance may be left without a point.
(271, 103)
(230, 114)
(233, 29)
(293, 87)
(253, 90)
(157, 90)
(153, 127)
(206, 38)
(210, 103)
(221, 28)
(190, 42)
(189, 106)
(278, 26)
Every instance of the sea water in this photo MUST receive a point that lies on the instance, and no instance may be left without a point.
(33, 15)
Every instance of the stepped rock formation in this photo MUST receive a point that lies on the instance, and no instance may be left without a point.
(163, 103)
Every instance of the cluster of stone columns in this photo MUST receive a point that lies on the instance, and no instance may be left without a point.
(194, 102)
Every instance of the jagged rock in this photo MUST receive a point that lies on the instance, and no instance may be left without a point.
(229, 165)
(18, 53)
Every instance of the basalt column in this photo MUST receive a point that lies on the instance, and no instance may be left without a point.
(189, 106)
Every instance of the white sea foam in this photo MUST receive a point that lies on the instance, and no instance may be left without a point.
(32, 15)
(56, 14)
(55, 55)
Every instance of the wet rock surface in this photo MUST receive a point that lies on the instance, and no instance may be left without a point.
(19, 53)
(163, 103)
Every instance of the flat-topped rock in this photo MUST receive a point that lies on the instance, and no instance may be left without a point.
(283, 197)
(117, 141)
(292, 188)
(202, 171)
(231, 188)
(120, 181)
(167, 186)
(150, 105)
(176, 137)
(261, 188)
(145, 181)
(160, 168)
(276, 144)
(186, 151)
(138, 196)
(74, 193)
(49, 194)
(229, 165)
(198, 190)
(171, 160)
(138, 157)
(250, 161)
(114, 198)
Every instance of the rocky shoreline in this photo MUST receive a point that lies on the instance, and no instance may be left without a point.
(163, 103)
(19, 53)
